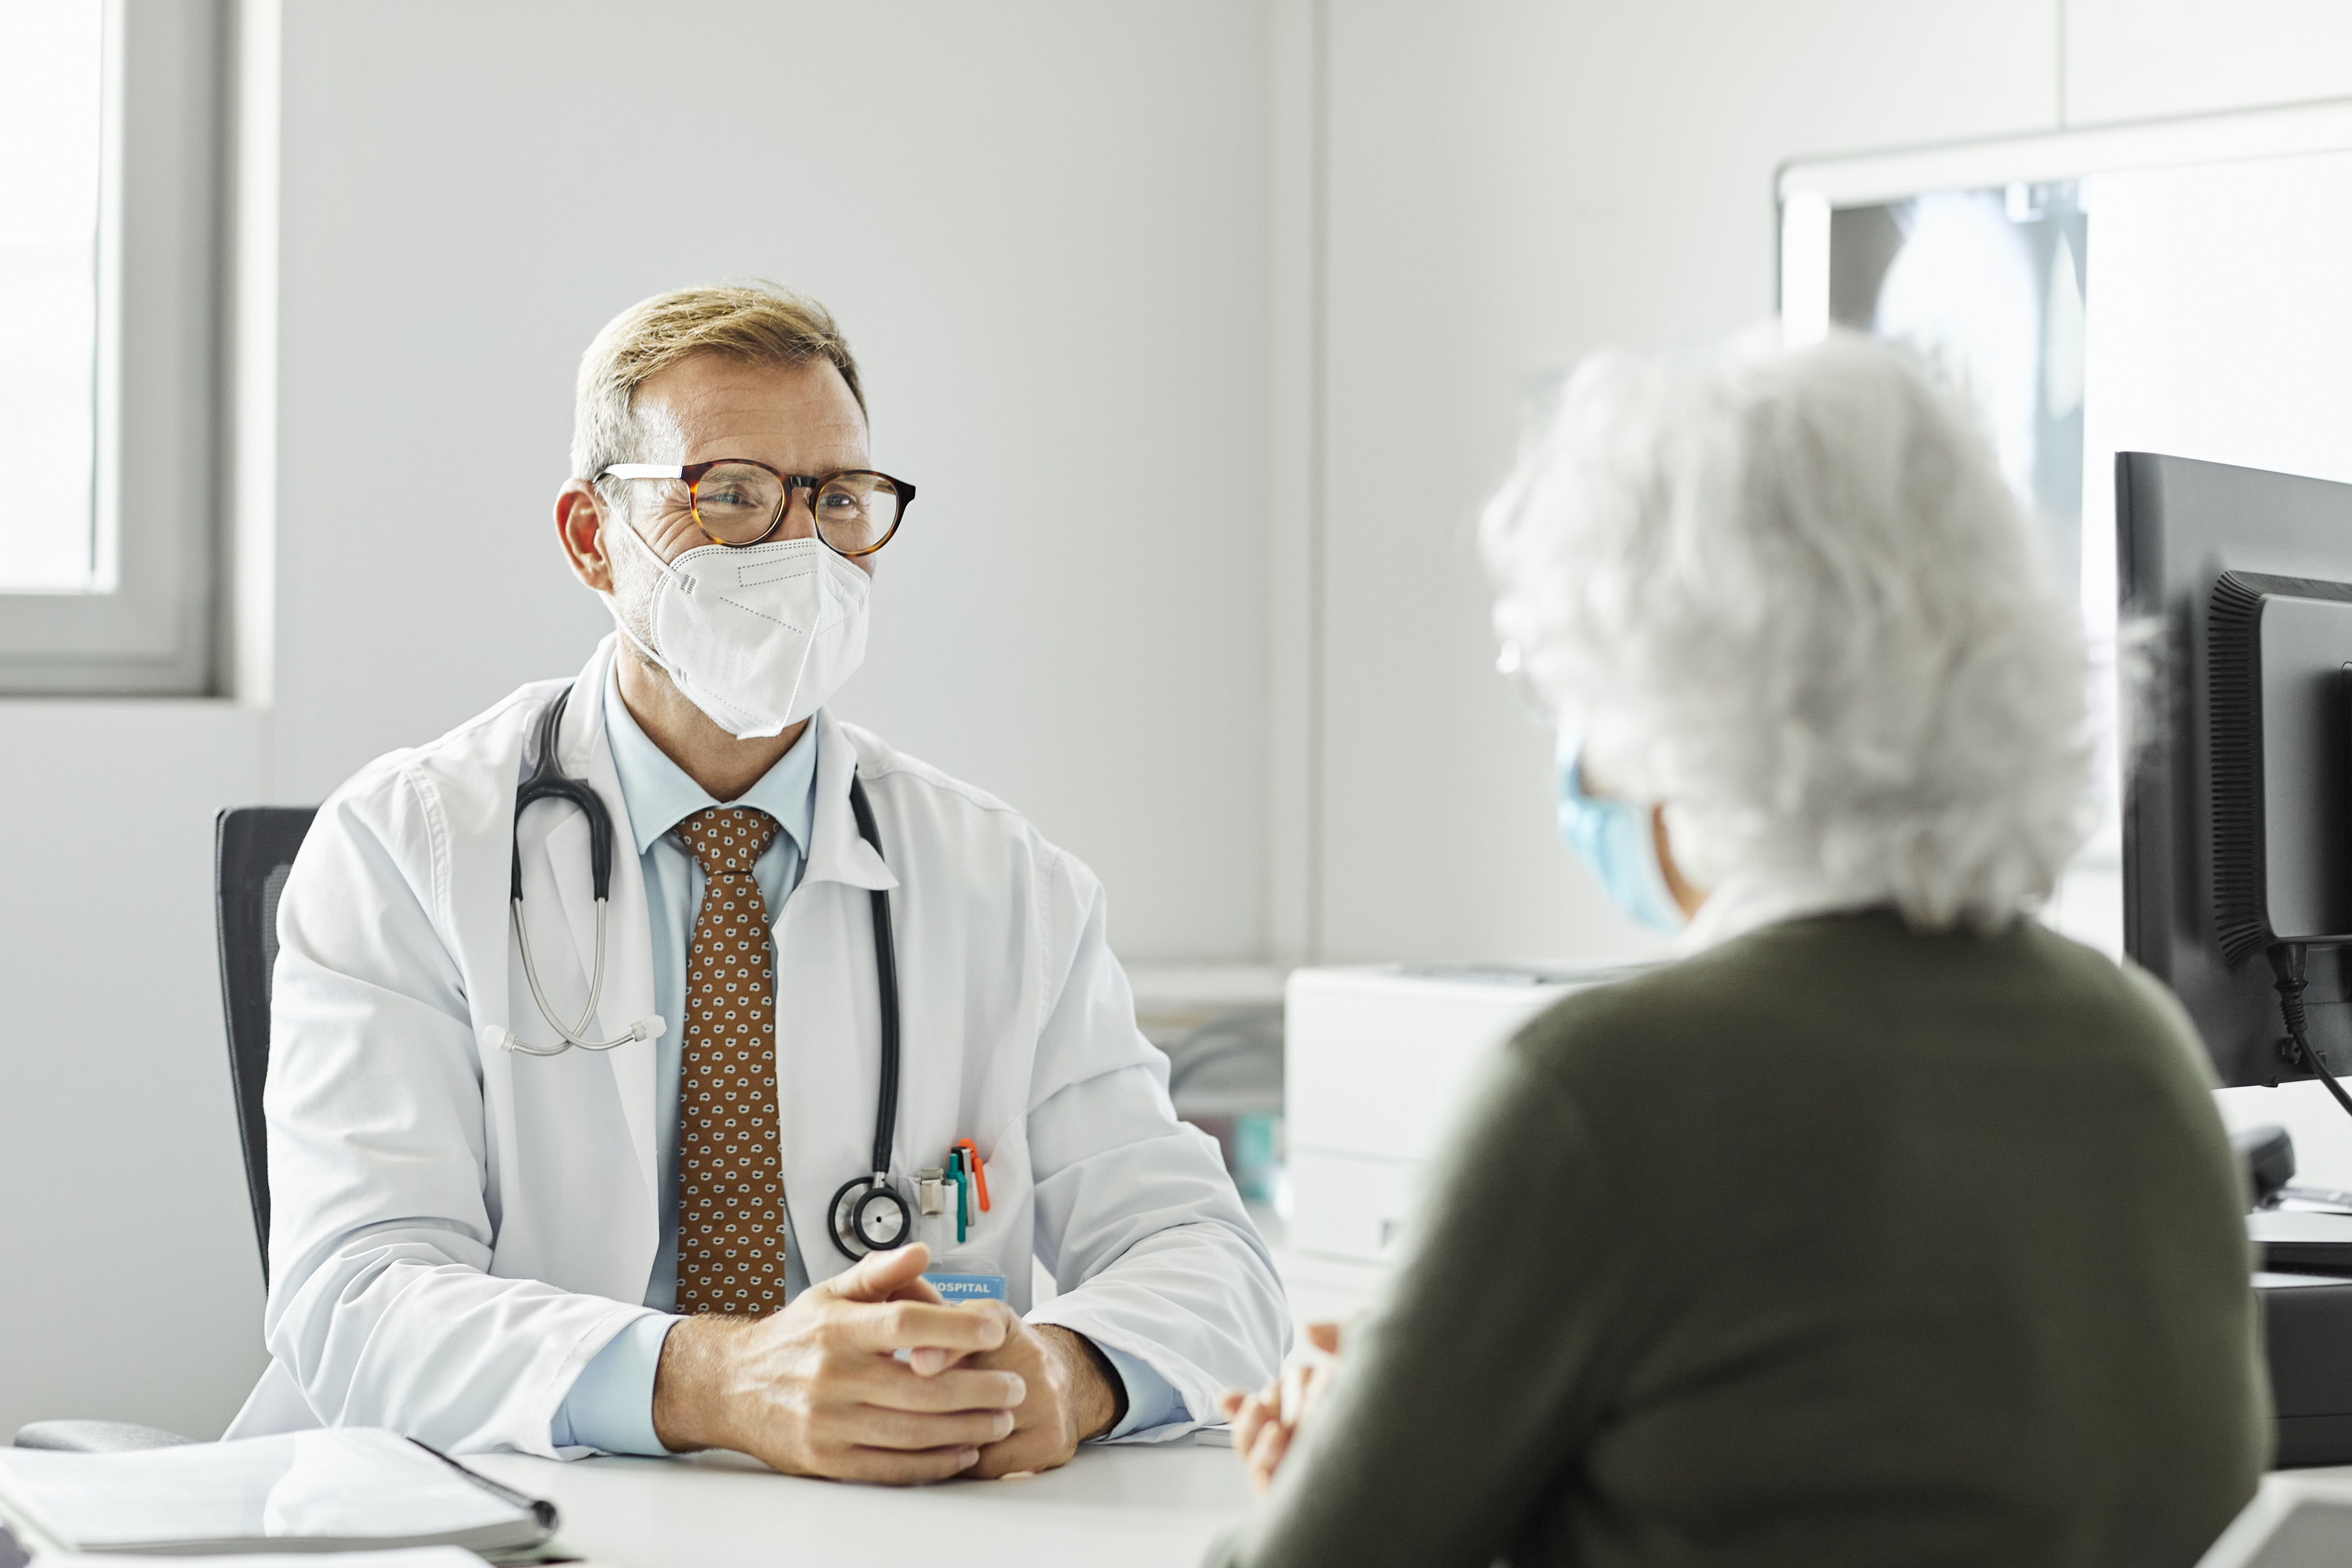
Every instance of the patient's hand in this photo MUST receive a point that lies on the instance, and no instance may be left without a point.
(817, 1389)
(1266, 1422)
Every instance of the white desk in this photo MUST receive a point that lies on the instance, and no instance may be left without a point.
(1137, 1506)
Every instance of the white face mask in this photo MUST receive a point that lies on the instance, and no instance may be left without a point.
(759, 636)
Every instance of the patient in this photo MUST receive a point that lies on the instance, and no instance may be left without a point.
(1888, 1226)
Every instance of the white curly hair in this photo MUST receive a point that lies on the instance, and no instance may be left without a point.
(1786, 592)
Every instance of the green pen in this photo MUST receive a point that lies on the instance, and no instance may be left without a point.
(955, 1175)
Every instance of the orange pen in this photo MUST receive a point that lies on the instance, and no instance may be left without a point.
(978, 1170)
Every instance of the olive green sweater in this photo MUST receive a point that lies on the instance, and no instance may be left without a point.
(1837, 1245)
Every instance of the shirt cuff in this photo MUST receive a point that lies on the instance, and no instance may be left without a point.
(1151, 1400)
(611, 1406)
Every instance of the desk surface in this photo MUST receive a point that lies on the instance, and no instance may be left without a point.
(1137, 1505)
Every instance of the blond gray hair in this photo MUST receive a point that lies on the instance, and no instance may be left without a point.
(762, 322)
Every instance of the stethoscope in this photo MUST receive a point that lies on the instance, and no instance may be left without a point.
(867, 1214)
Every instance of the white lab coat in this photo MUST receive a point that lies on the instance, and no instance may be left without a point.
(456, 1231)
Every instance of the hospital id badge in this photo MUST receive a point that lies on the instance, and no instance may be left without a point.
(961, 1282)
(955, 1287)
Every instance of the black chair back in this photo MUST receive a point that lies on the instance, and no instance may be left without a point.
(253, 849)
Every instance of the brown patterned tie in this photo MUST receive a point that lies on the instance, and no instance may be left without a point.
(730, 1211)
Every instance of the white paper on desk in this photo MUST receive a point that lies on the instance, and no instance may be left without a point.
(400, 1557)
(340, 1489)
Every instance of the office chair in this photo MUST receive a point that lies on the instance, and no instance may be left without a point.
(253, 849)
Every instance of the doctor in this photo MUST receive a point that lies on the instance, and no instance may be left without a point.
(513, 1209)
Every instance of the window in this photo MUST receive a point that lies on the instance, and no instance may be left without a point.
(48, 280)
(110, 162)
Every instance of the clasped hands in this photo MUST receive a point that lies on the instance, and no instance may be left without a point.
(820, 1389)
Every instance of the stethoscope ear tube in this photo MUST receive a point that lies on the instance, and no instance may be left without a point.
(886, 974)
(858, 1227)
(548, 782)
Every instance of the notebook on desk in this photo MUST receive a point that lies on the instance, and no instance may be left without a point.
(351, 1488)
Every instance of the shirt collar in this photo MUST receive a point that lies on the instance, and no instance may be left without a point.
(660, 795)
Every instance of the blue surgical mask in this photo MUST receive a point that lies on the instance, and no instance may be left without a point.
(1615, 840)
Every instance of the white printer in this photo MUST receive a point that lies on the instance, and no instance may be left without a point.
(1378, 1059)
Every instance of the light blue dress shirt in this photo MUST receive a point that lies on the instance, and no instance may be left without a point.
(611, 1404)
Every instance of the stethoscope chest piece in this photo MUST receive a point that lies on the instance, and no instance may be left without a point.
(867, 1216)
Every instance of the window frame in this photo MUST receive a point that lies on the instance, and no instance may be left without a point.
(157, 497)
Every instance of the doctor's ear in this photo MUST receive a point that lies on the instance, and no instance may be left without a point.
(580, 522)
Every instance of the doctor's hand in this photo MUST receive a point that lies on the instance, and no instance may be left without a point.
(1074, 1393)
(817, 1390)
(1266, 1422)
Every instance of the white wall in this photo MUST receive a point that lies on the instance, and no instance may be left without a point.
(2146, 59)
(130, 1284)
(1120, 274)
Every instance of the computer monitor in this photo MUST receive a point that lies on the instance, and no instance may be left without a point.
(2237, 819)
